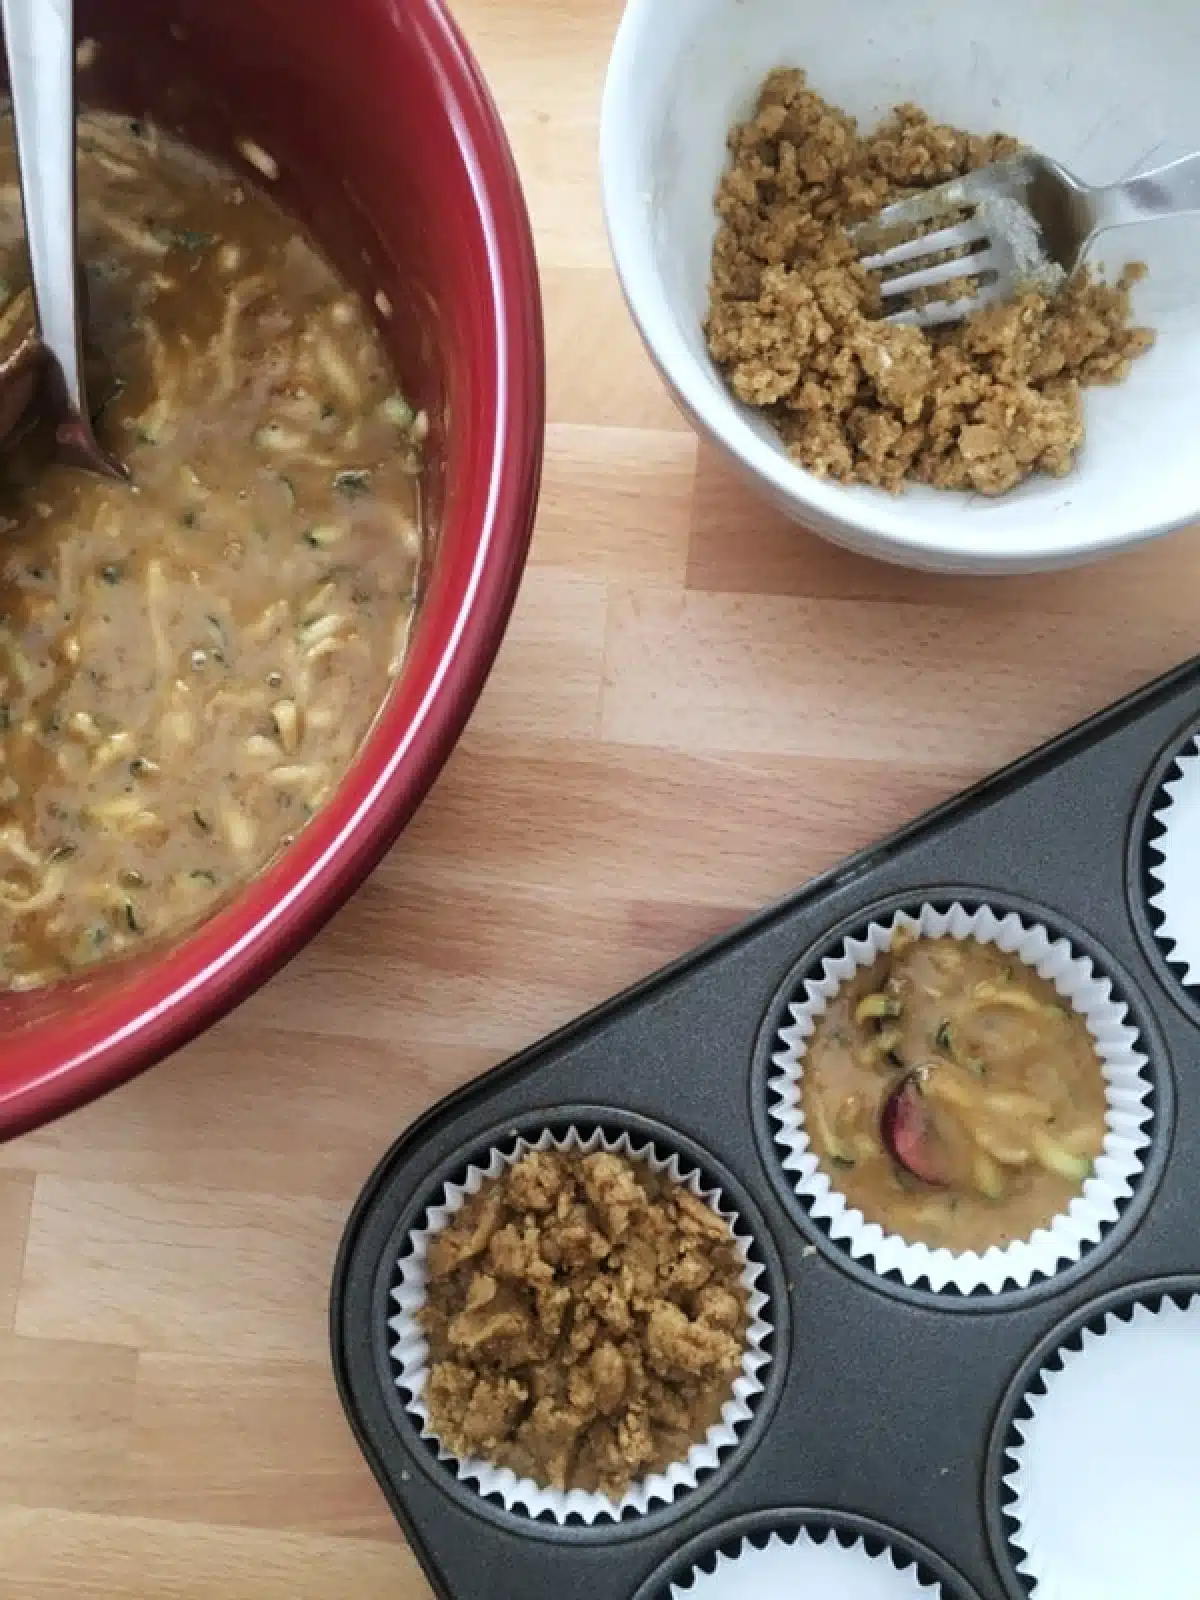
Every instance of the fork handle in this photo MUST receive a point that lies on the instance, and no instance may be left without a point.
(1170, 191)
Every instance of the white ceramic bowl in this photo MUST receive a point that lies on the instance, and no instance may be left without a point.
(1105, 86)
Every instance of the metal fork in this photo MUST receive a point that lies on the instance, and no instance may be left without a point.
(1030, 221)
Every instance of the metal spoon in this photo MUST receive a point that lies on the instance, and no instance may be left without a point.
(39, 38)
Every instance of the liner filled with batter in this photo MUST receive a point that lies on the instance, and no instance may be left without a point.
(1096, 1205)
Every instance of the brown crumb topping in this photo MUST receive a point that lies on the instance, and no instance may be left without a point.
(794, 320)
(586, 1320)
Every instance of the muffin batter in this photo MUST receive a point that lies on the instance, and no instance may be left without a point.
(586, 1319)
(1002, 1109)
(188, 665)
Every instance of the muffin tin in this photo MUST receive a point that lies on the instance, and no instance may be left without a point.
(890, 1435)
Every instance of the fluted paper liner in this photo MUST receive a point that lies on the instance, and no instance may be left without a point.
(1128, 1089)
(1177, 872)
(410, 1350)
(1103, 1486)
(817, 1569)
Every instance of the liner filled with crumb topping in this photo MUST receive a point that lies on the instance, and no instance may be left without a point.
(1046, 973)
(579, 1327)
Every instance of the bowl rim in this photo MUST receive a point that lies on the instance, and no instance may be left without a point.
(59, 1065)
(866, 521)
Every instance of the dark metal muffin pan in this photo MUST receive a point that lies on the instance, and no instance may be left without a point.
(886, 1406)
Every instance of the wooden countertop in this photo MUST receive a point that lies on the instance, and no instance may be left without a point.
(697, 707)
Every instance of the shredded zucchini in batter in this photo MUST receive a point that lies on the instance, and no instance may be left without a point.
(187, 668)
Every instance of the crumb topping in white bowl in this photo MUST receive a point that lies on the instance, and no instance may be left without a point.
(1104, 100)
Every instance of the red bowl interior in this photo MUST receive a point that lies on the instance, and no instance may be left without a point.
(391, 150)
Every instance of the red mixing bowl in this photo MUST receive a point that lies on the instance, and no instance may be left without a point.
(391, 150)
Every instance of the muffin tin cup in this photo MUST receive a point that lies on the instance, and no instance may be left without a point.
(809, 1551)
(1173, 865)
(802, 1564)
(1128, 1090)
(410, 1351)
(1097, 1453)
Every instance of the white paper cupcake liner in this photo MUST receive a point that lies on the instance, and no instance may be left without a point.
(1104, 1477)
(1064, 1240)
(410, 1350)
(1176, 901)
(817, 1569)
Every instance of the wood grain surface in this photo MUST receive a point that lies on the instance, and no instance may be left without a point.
(697, 707)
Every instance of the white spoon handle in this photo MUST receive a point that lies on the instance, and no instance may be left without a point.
(39, 38)
(39, 35)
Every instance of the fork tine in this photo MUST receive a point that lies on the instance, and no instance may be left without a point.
(927, 206)
(940, 312)
(947, 272)
(962, 233)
